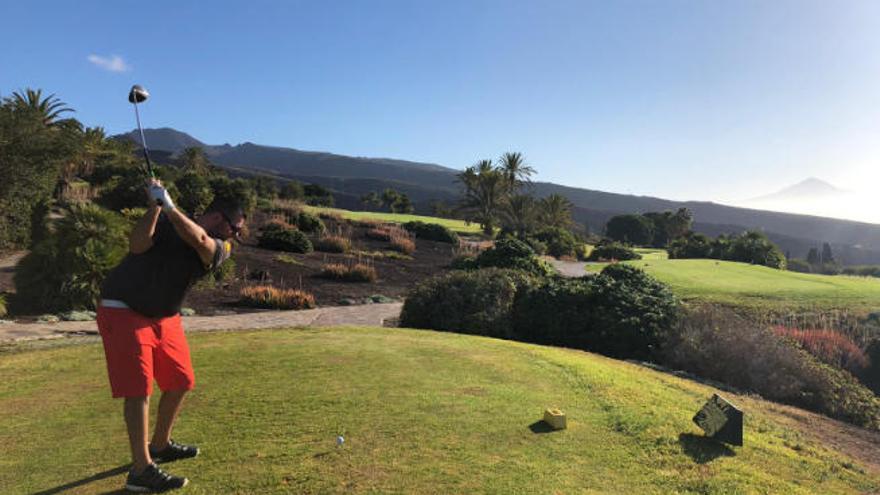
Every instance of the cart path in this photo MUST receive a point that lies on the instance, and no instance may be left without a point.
(365, 315)
(570, 269)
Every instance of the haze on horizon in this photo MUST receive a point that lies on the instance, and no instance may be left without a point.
(720, 101)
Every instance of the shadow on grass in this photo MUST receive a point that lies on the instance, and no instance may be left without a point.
(541, 427)
(91, 479)
(703, 449)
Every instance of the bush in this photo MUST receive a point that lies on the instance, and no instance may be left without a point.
(195, 193)
(224, 273)
(622, 312)
(754, 247)
(830, 347)
(126, 191)
(65, 270)
(871, 375)
(308, 222)
(333, 244)
(513, 254)
(723, 346)
(631, 229)
(608, 251)
(358, 272)
(560, 242)
(265, 296)
(239, 190)
(800, 266)
(3, 310)
(690, 246)
(478, 302)
(431, 232)
(281, 239)
(402, 244)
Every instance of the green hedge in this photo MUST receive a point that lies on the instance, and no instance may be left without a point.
(431, 231)
(614, 250)
(513, 254)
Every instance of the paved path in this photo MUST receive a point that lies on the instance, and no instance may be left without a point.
(568, 268)
(367, 314)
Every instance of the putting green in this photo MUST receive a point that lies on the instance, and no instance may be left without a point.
(421, 412)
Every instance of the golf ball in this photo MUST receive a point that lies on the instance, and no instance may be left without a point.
(340, 440)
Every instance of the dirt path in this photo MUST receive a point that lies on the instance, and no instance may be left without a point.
(570, 269)
(7, 269)
(367, 314)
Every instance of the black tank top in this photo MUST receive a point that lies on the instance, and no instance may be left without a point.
(155, 282)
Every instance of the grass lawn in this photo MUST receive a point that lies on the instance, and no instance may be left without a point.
(459, 226)
(758, 286)
(652, 253)
(422, 412)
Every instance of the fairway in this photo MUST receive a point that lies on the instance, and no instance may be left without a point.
(421, 412)
(727, 282)
(459, 226)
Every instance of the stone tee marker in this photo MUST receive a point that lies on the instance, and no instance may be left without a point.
(721, 421)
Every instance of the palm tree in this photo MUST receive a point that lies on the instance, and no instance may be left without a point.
(520, 214)
(49, 108)
(555, 211)
(516, 172)
(484, 192)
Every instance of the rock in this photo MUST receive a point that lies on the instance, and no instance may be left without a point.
(380, 299)
(347, 302)
(187, 312)
(48, 319)
(78, 316)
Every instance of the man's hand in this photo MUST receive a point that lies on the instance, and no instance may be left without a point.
(160, 195)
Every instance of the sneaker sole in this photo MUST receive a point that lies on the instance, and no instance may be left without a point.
(143, 489)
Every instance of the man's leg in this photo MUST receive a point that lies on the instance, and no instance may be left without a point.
(169, 407)
(136, 411)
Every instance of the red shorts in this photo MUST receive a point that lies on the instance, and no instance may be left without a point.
(139, 349)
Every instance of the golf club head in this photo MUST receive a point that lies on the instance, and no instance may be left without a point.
(138, 94)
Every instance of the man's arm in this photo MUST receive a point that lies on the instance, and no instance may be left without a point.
(193, 234)
(141, 238)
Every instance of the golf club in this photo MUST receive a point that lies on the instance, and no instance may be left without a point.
(139, 95)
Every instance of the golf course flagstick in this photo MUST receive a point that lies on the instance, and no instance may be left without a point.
(139, 95)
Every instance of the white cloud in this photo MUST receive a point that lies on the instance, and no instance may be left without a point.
(113, 63)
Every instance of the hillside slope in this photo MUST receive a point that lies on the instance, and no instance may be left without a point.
(421, 412)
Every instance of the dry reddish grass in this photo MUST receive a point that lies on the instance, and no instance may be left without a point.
(358, 272)
(266, 296)
(829, 346)
(333, 244)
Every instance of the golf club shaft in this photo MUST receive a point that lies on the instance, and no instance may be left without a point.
(143, 142)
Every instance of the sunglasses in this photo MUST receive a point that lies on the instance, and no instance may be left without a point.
(236, 231)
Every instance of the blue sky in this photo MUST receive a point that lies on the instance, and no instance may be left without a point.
(718, 100)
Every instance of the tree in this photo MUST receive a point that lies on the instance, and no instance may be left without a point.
(47, 109)
(813, 257)
(195, 193)
(555, 211)
(292, 190)
(631, 229)
(754, 247)
(827, 256)
(265, 187)
(669, 226)
(389, 197)
(515, 171)
(371, 199)
(520, 214)
(195, 160)
(485, 188)
(402, 204)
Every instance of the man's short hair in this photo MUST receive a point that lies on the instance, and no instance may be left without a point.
(229, 207)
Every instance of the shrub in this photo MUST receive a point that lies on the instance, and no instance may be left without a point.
(560, 242)
(378, 233)
(431, 232)
(464, 262)
(195, 193)
(722, 346)
(800, 266)
(333, 244)
(308, 222)
(126, 191)
(692, 245)
(607, 251)
(622, 312)
(631, 229)
(265, 296)
(754, 247)
(871, 375)
(281, 239)
(224, 273)
(239, 190)
(358, 272)
(830, 347)
(513, 254)
(65, 270)
(3, 310)
(402, 244)
(478, 302)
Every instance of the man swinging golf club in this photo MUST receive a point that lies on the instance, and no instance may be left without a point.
(140, 325)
